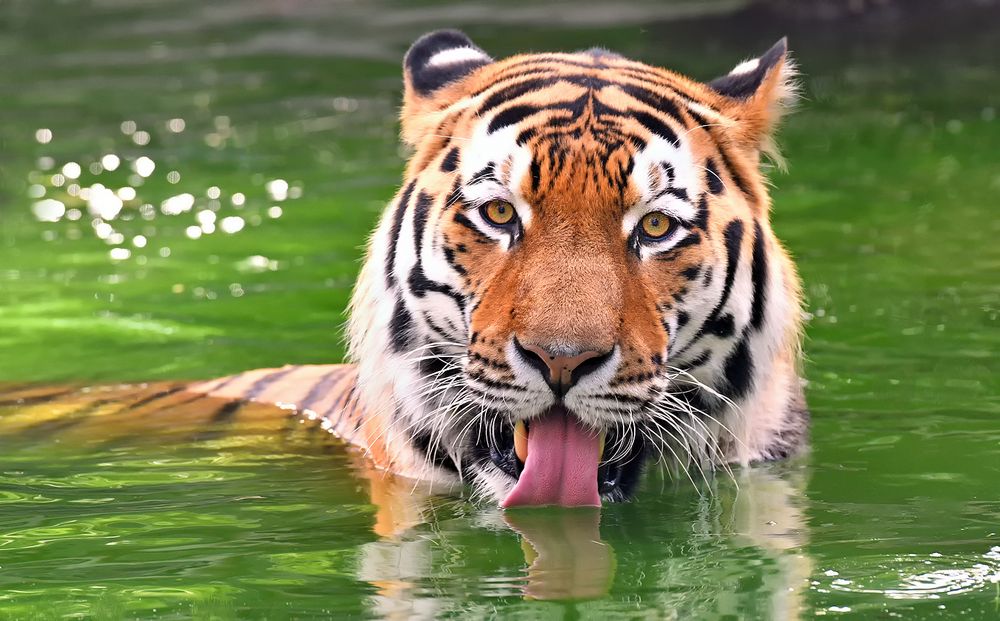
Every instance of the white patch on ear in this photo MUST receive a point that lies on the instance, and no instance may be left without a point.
(745, 67)
(456, 55)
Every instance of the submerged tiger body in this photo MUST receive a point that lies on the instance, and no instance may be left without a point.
(577, 277)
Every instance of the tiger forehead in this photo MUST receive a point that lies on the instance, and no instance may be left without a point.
(594, 70)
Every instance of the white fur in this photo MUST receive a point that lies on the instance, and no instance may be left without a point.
(456, 55)
(746, 66)
(483, 148)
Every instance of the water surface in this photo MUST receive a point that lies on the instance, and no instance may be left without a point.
(269, 137)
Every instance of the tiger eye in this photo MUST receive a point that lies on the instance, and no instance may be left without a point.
(656, 225)
(498, 212)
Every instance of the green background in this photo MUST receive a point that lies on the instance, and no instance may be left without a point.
(889, 206)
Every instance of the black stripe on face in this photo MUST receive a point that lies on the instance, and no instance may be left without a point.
(727, 163)
(418, 283)
(420, 212)
(449, 256)
(734, 239)
(690, 273)
(536, 174)
(758, 275)
(436, 329)
(699, 120)
(514, 91)
(722, 327)
(655, 125)
(682, 319)
(691, 239)
(700, 359)
(662, 104)
(738, 369)
(712, 179)
(701, 217)
(461, 218)
(487, 173)
(511, 116)
(400, 327)
(450, 161)
(397, 224)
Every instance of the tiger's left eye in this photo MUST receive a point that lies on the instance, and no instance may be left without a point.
(656, 225)
(498, 213)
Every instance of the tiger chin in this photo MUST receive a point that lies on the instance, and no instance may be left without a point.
(577, 278)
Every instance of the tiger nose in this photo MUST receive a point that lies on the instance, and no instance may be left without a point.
(561, 372)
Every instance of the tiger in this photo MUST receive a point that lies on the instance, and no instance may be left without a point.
(576, 279)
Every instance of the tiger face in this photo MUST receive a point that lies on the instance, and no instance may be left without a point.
(579, 274)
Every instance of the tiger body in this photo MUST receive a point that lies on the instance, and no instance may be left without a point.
(577, 276)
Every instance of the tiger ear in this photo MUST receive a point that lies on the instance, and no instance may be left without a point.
(757, 93)
(433, 72)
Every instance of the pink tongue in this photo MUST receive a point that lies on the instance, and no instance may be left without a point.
(562, 464)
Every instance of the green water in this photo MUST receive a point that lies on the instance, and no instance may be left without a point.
(889, 206)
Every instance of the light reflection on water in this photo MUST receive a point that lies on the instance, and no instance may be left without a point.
(179, 115)
(128, 217)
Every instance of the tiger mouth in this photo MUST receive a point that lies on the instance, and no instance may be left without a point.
(555, 460)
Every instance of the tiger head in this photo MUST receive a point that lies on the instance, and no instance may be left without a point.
(579, 273)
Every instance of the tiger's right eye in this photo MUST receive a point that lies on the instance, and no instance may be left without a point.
(498, 213)
(656, 225)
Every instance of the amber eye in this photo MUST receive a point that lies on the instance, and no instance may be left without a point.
(656, 225)
(498, 212)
